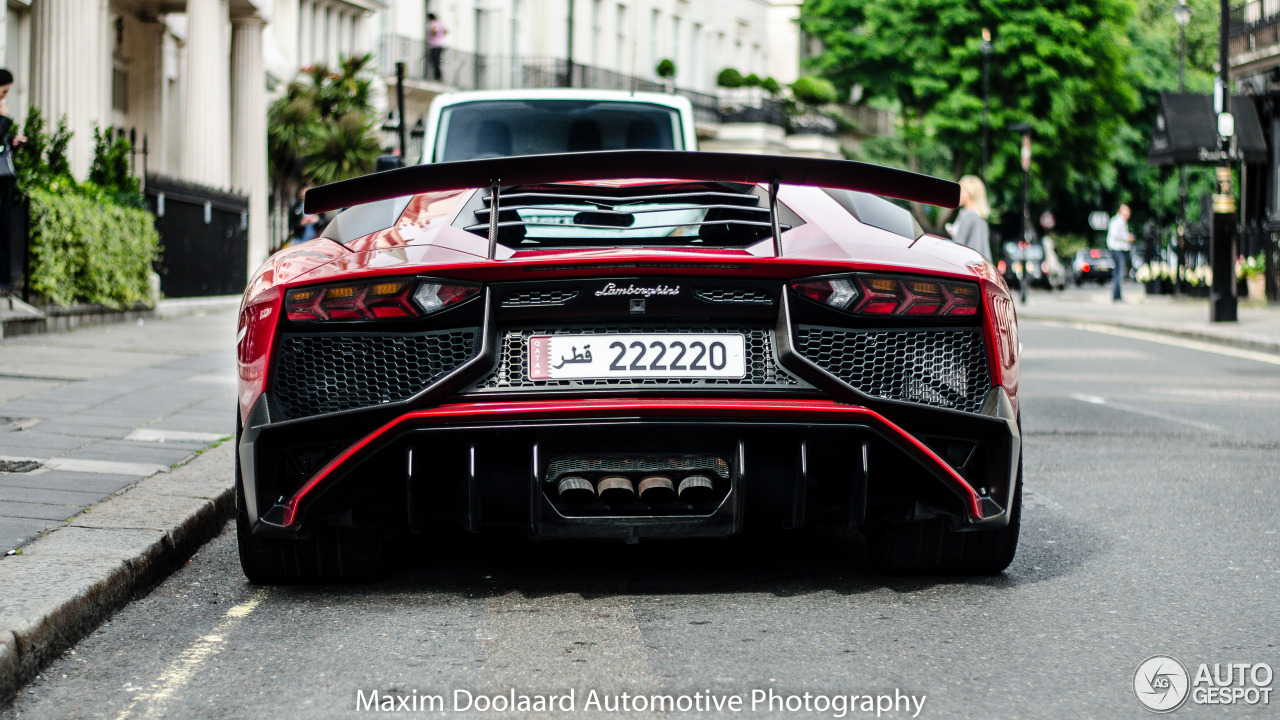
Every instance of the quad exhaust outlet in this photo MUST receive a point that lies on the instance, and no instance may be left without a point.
(657, 489)
(616, 489)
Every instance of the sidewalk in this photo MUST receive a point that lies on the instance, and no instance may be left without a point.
(1258, 326)
(100, 496)
(86, 413)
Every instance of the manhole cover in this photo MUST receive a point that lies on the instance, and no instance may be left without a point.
(18, 466)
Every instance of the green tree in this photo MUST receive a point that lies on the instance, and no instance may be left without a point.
(1060, 65)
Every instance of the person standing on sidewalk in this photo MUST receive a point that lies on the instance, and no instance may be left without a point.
(435, 46)
(302, 226)
(971, 228)
(1118, 242)
(8, 174)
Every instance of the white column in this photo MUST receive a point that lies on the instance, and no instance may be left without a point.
(249, 129)
(71, 70)
(206, 134)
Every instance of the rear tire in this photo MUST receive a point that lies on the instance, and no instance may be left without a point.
(333, 555)
(927, 547)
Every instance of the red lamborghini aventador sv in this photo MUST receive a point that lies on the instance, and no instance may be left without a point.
(627, 345)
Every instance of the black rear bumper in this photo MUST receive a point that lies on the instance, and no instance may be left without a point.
(781, 471)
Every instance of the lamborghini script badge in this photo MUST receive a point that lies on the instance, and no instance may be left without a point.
(612, 289)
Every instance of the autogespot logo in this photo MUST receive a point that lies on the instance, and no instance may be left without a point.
(1161, 683)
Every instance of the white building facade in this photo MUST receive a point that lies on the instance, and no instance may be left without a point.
(195, 77)
(186, 76)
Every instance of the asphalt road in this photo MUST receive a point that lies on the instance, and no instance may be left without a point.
(1150, 528)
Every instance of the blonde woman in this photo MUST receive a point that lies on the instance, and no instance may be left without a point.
(970, 228)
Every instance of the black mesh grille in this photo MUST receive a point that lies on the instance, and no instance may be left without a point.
(940, 367)
(538, 298)
(512, 373)
(327, 373)
(735, 295)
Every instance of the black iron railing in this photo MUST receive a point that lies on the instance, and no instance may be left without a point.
(1254, 25)
(469, 71)
(1250, 16)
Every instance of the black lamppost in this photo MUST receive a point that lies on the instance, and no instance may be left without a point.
(416, 137)
(404, 144)
(1024, 242)
(986, 101)
(390, 132)
(1182, 16)
(1222, 251)
(390, 159)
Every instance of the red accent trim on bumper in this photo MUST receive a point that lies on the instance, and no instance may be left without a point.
(639, 408)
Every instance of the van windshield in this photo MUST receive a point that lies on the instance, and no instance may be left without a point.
(500, 128)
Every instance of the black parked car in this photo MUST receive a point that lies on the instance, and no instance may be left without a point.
(1094, 264)
(1044, 270)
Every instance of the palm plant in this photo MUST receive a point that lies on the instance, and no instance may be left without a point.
(321, 127)
(341, 148)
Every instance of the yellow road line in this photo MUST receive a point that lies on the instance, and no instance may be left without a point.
(154, 699)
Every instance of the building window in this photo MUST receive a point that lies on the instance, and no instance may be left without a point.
(596, 31)
(675, 41)
(119, 90)
(655, 27)
(619, 50)
(695, 57)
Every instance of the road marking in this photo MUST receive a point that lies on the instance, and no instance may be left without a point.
(159, 435)
(105, 467)
(1169, 340)
(182, 669)
(1096, 400)
(218, 378)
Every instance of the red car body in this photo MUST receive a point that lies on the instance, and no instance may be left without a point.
(390, 376)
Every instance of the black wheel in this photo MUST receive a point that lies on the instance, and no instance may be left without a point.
(927, 547)
(333, 555)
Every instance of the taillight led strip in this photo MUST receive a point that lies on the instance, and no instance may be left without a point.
(379, 299)
(892, 295)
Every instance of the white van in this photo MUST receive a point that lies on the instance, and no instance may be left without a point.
(499, 123)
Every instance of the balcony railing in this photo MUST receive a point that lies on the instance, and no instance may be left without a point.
(468, 71)
(1254, 24)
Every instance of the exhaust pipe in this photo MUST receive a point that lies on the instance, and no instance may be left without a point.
(657, 489)
(696, 488)
(616, 489)
(575, 489)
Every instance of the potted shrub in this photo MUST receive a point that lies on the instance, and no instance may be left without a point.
(666, 70)
(729, 78)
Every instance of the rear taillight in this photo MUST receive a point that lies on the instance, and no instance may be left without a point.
(892, 295)
(380, 299)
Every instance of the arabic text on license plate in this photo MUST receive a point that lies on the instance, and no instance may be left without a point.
(657, 355)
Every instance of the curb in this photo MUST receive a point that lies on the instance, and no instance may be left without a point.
(1264, 346)
(179, 307)
(70, 580)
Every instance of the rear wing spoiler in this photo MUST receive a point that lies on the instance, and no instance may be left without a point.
(774, 170)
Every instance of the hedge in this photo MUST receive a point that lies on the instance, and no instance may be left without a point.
(86, 249)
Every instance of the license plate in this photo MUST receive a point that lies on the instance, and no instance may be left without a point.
(655, 355)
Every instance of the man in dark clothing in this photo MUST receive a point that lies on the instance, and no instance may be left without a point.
(10, 267)
(302, 227)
